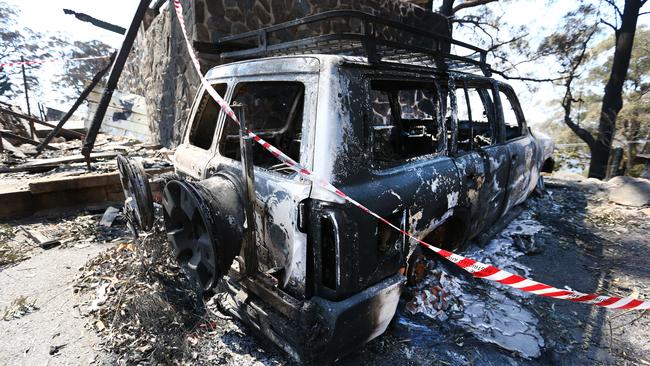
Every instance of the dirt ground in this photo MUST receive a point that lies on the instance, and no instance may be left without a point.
(55, 302)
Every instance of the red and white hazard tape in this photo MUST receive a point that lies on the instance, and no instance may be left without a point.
(477, 269)
(34, 62)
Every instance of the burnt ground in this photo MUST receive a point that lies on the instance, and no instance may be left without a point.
(99, 299)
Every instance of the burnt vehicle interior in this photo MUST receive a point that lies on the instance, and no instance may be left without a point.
(273, 111)
(476, 115)
(404, 122)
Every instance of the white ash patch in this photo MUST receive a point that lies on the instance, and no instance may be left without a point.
(491, 312)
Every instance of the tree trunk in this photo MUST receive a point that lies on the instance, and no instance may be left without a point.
(447, 8)
(613, 100)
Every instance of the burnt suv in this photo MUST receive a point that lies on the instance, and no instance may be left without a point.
(439, 152)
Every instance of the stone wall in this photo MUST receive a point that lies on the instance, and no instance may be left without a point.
(217, 18)
(159, 67)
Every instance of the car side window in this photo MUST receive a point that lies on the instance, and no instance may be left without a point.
(205, 120)
(475, 117)
(513, 125)
(274, 111)
(403, 121)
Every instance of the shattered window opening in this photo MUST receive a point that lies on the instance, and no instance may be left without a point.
(475, 117)
(513, 125)
(404, 120)
(202, 132)
(273, 111)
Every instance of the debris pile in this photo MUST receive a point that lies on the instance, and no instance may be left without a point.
(9, 253)
(66, 159)
(75, 229)
(140, 301)
(148, 311)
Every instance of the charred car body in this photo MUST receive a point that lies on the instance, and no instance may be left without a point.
(442, 154)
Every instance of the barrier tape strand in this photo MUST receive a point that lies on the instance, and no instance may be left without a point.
(34, 62)
(477, 269)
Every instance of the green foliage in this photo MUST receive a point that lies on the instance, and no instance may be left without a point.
(634, 119)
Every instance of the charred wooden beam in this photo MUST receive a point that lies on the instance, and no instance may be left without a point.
(113, 78)
(96, 22)
(10, 135)
(38, 121)
(32, 130)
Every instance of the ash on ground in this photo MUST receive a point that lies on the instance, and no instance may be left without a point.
(490, 313)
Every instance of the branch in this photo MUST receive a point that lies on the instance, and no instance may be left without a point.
(603, 21)
(479, 25)
(584, 135)
(618, 10)
(524, 78)
(470, 4)
(514, 39)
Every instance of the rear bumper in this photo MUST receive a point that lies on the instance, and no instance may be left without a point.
(361, 317)
(325, 330)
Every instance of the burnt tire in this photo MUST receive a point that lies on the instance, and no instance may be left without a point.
(138, 204)
(204, 223)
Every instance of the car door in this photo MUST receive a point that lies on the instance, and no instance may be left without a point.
(485, 166)
(520, 144)
(277, 110)
(470, 161)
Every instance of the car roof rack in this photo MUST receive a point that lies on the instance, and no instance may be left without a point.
(378, 39)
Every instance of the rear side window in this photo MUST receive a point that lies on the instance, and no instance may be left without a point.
(274, 111)
(404, 120)
(205, 120)
(513, 124)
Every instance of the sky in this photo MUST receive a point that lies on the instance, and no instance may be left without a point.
(47, 16)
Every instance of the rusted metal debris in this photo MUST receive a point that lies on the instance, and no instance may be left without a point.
(43, 237)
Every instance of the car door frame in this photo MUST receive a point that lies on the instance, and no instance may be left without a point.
(276, 192)
(470, 164)
(521, 149)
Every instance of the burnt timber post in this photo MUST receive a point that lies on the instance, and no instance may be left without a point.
(113, 78)
(29, 111)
